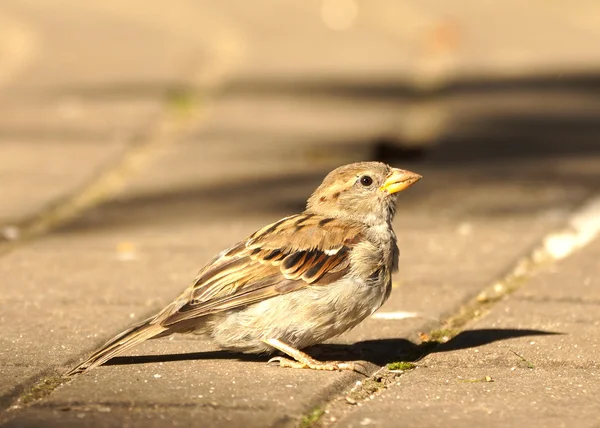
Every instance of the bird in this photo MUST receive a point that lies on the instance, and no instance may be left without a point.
(294, 283)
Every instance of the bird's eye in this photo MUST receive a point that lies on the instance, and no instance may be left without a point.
(366, 181)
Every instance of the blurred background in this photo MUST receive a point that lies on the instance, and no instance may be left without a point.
(173, 111)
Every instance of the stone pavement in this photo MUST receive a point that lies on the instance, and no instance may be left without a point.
(170, 133)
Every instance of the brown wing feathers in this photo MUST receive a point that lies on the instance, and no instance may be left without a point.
(271, 262)
(323, 248)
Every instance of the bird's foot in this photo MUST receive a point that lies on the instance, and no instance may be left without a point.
(310, 363)
(305, 361)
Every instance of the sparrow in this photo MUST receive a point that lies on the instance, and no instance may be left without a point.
(296, 282)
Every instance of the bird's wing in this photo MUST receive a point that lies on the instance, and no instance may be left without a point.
(295, 252)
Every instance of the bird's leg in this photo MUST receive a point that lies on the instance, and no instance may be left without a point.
(304, 361)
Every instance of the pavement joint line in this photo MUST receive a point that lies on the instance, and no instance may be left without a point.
(73, 405)
(581, 227)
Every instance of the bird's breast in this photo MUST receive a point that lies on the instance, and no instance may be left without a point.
(376, 253)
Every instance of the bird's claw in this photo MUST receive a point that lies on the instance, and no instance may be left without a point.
(313, 364)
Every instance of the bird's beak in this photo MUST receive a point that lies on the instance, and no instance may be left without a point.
(398, 180)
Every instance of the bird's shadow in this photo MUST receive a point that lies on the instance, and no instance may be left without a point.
(379, 352)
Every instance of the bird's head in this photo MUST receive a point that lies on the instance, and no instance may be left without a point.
(363, 191)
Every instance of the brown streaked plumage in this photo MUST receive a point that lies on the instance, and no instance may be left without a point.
(295, 282)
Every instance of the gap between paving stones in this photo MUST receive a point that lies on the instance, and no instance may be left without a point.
(582, 226)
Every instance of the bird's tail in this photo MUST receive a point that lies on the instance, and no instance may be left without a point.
(120, 343)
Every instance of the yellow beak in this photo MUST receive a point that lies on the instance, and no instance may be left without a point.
(399, 180)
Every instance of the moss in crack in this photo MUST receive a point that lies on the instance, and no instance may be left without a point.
(401, 365)
(371, 385)
(312, 418)
(41, 389)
